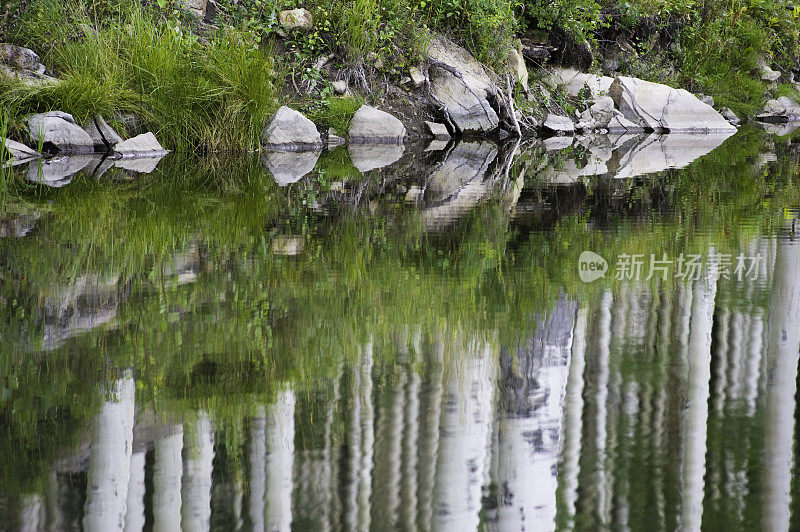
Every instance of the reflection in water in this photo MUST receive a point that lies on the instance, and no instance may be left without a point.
(220, 405)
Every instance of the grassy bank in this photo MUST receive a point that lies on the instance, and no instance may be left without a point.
(209, 85)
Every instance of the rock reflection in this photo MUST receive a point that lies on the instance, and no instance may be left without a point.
(289, 167)
(367, 157)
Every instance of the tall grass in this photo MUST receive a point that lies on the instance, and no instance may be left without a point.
(195, 95)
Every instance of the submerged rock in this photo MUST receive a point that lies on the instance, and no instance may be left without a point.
(664, 109)
(366, 157)
(462, 85)
(784, 109)
(141, 146)
(289, 130)
(370, 125)
(289, 167)
(58, 131)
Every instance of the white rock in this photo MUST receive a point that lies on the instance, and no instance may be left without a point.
(296, 18)
(662, 108)
(144, 145)
(438, 131)
(784, 109)
(559, 124)
(573, 82)
(333, 139)
(103, 135)
(370, 125)
(517, 67)
(289, 130)
(462, 85)
(767, 74)
(339, 87)
(20, 152)
(58, 130)
(417, 77)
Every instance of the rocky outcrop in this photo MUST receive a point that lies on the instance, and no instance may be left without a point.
(461, 86)
(661, 108)
(781, 110)
(296, 19)
(103, 136)
(289, 130)
(370, 125)
(289, 167)
(141, 146)
(59, 132)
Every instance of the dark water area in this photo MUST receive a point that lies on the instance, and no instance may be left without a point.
(594, 333)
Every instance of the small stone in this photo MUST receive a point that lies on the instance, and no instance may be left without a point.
(339, 87)
(299, 18)
(19, 151)
(144, 145)
(379, 64)
(288, 245)
(438, 131)
(730, 116)
(417, 77)
(767, 74)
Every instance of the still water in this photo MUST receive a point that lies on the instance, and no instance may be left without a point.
(384, 340)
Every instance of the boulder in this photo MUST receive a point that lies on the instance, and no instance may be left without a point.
(598, 115)
(784, 109)
(58, 131)
(141, 146)
(664, 109)
(573, 82)
(289, 130)
(370, 125)
(367, 157)
(290, 167)
(19, 152)
(103, 136)
(560, 125)
(299, 18)
(517, 67)
(461, 84)
(437, 131)
(730, 116)
(19, 57)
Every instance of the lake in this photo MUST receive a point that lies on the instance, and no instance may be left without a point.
(593, 334)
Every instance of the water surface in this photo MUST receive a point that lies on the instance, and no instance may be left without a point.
(384, 340)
